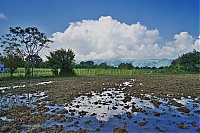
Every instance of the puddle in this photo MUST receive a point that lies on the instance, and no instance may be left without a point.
(107, 104)
(9, 101)
(2, 89)
(6, 119)
(44, 83)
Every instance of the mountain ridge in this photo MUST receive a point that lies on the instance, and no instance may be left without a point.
(137, 62)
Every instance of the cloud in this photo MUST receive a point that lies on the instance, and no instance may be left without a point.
(182, 43)
(106, 38)
(2, 16)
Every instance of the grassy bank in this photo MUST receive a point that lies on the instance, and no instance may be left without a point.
(45, 72)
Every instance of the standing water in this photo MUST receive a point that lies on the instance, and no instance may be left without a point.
(113, 109)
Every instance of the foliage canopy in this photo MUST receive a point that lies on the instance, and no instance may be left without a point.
(187, 62)
(63, 60)
(12, 62)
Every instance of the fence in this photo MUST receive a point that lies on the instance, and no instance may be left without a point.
(48, 72)
(45, 72)
(110, 72)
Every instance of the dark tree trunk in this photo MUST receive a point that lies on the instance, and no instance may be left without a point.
(27, 70)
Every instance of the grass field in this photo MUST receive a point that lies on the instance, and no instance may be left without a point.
(89, 72)
(21, 72)
(114, 71)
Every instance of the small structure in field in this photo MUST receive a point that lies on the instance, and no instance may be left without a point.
(2, 68)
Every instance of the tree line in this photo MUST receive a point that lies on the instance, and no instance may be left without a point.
(104, 65)
(21, 48)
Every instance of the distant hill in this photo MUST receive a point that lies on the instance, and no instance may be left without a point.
(189, 62)
(152, 62)
(138, 62)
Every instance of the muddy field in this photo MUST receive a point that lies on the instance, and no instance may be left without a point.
(120, 104)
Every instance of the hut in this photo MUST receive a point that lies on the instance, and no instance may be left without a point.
(2, 68)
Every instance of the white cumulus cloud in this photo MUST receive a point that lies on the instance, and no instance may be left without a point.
(2, 16)
(182, 43)
(106, 38)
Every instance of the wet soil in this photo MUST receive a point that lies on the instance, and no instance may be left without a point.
(61, 92)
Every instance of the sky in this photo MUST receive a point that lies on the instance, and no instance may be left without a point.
(109, 29)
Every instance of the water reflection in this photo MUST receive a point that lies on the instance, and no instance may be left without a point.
(2, 89)
(6, 119)
(109, 110)
(11, 100)
(108, 104)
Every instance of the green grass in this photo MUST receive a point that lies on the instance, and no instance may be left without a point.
(45, 72)
(41, 72)
(114, 71)
(20, 72)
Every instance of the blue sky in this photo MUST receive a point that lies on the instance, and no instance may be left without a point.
(169, 17)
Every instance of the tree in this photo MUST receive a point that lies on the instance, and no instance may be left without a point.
(187, 62)
(63, 60)
(86, 64)
(103, 65)
(125, 66)
(35, 60)
(12, 62)
(24, 42)
(1, 58)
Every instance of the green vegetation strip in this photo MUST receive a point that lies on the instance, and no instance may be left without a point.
(40, 72)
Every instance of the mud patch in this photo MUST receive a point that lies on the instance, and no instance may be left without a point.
(105, 104)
